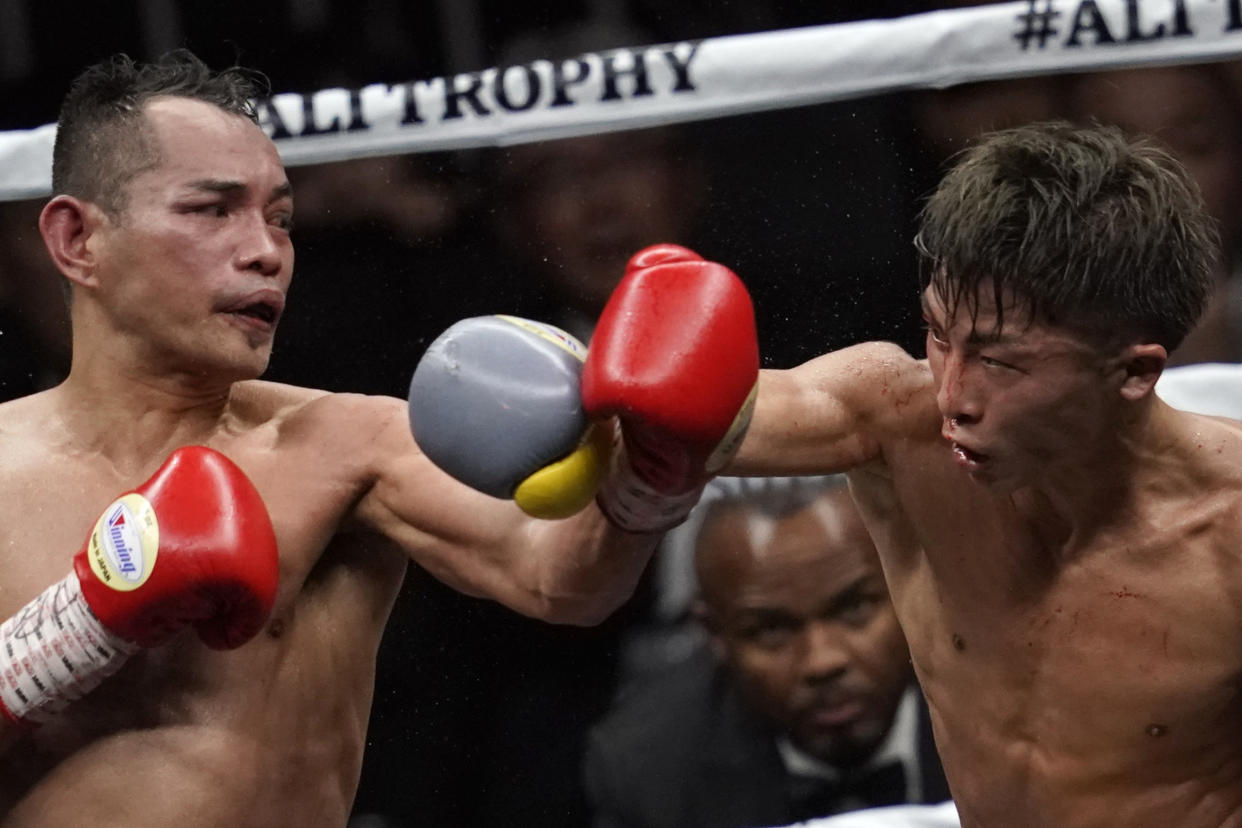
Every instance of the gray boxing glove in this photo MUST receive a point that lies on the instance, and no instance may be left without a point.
(495, 403)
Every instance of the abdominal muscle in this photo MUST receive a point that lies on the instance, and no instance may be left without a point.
(1102, 696)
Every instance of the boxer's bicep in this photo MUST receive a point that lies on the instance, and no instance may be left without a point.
(830, 414)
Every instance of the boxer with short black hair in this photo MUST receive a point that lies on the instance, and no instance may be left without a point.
(226, 641)
(1061, 546)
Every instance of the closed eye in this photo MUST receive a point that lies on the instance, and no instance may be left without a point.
(215, 209)
(996, 363)
(935, 334)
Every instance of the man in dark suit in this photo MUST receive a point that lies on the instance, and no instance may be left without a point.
(802, 704)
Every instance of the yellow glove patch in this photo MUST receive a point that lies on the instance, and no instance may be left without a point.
(567, 486)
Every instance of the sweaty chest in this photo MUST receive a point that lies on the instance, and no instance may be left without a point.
(48, 509)
(1102, 673)
(44, 521)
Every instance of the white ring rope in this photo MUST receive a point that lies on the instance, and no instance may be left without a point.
(651, 85)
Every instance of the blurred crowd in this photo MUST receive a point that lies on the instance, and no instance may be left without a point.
(480, 716)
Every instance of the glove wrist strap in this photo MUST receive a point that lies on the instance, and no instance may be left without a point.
(632, 504)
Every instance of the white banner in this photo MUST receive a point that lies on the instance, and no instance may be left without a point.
(693, 80)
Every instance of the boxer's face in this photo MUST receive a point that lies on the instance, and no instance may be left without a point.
(798, 610)
(198, 263)
(1019, 400)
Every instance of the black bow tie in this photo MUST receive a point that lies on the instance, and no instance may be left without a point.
(814, 796)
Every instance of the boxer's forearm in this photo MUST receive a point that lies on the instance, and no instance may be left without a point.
(573, 570)
(585, 567)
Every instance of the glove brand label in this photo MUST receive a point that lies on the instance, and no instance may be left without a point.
(123, 546)
(565, 341)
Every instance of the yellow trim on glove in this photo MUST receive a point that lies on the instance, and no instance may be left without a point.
(566, 486)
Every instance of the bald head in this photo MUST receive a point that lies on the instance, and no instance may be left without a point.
(743, 542)
(795, 605)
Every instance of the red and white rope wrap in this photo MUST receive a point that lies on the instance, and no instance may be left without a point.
(54, 651)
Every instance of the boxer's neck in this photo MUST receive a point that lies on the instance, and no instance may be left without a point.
(136, 419)
(1100, 487)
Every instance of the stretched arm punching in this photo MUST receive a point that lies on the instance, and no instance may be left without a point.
(835, 412)
(507, 407)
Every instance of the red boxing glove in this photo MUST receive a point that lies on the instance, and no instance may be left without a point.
(675, 356)
(192, 546)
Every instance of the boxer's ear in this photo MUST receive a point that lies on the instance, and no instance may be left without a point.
(68, 225)
(1142, 365)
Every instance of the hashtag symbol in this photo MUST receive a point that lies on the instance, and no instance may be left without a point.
(1036, 24)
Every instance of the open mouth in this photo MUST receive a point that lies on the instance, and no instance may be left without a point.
(967, 458)
(262, 311)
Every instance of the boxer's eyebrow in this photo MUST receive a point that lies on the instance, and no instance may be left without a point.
(280, 191)
(217, 185)
(975, 336)
(992, 337)
(233, 188)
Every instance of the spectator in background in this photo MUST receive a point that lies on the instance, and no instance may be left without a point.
(1195, 111)
(804, 203)
(386, 261)
(508, 737)
(949, 119)
(573, 211)
(804, 703)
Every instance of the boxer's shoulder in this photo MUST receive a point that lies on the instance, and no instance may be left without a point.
(894, 390)
(25, 414)
(1178, 430)
(32, 428)
(877, 371)
(256, 403)
(327, 422)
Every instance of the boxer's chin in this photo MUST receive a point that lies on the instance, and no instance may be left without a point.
(236, 363)
(998, 478)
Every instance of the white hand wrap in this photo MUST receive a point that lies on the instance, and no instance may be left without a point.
(633, 505)
(54, 651)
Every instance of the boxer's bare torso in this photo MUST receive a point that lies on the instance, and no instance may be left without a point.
(1079, 672)
(176, 296)
(269, 734)
(1092, 683)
